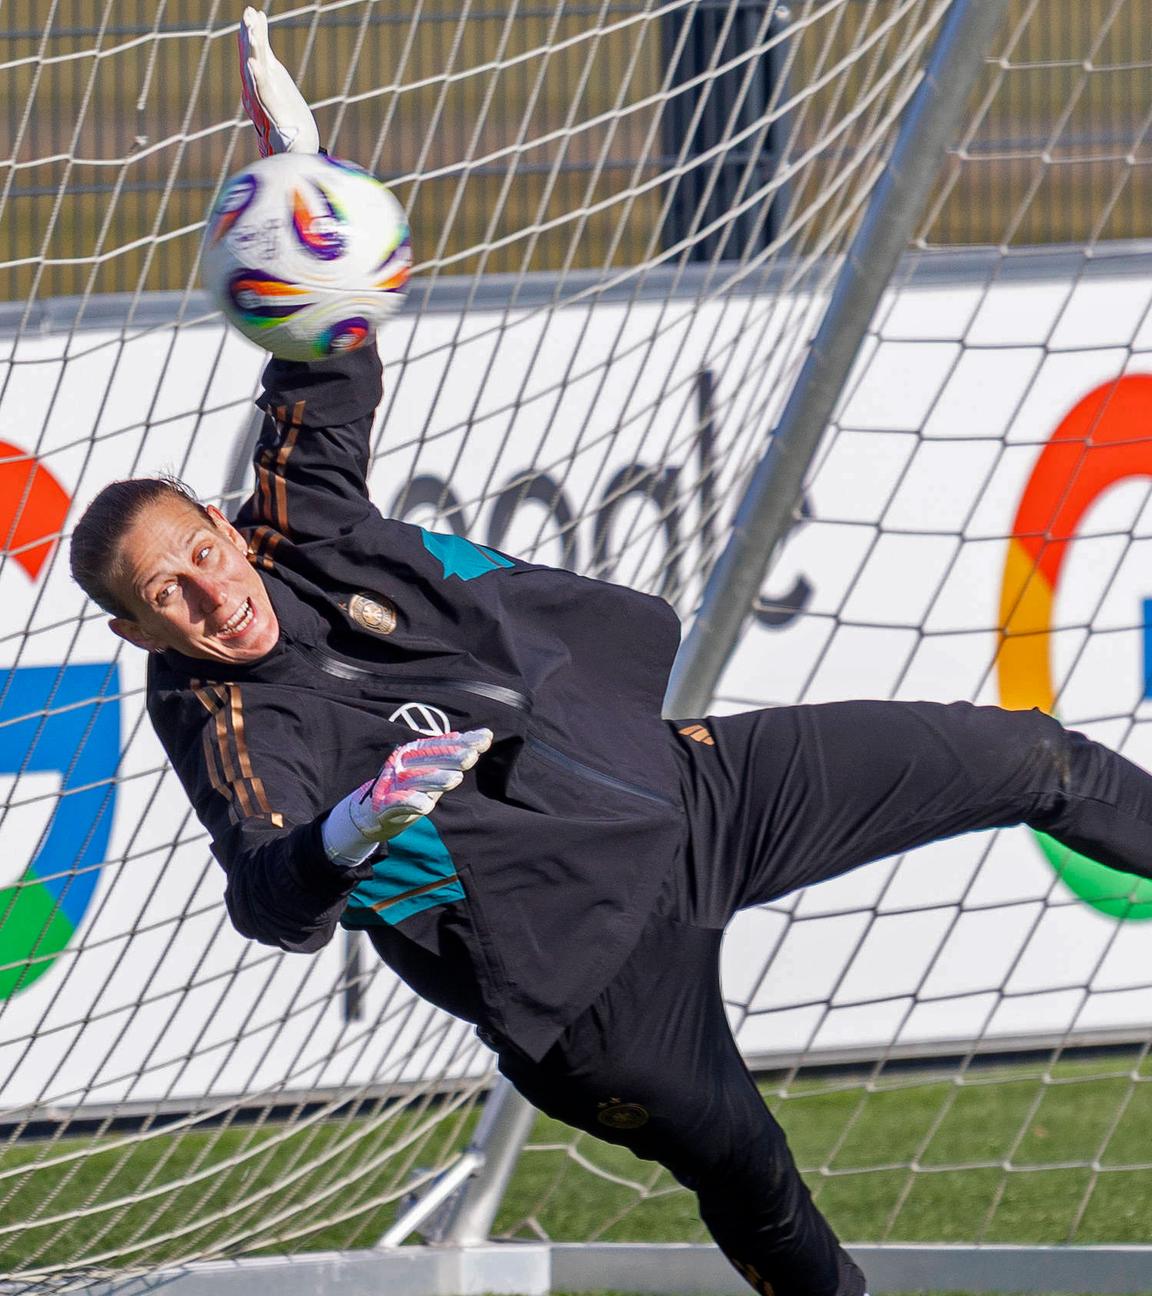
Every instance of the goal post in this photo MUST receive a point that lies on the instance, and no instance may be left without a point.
(640, 227)
(772, 497)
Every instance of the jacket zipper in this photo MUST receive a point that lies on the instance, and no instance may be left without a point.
(346, 670)
(578, 768)
(339, 668)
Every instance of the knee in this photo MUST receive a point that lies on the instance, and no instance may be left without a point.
(733, 1167)
(1062, 765)
(1030, 754)
(1045, 745)
(1021, 733)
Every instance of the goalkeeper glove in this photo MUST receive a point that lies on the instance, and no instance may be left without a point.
(283, 121)
(409, 784)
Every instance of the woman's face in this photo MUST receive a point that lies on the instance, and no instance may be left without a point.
(187, 581)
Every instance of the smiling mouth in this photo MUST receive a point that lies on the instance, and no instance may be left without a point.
(238, 622)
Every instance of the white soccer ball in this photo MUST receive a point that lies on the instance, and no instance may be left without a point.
(306, 255)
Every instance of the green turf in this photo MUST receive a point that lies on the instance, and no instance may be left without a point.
(913, 1158)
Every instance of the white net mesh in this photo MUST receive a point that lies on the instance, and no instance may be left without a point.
(628, 219)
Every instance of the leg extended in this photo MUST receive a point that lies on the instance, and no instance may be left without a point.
(801, 794)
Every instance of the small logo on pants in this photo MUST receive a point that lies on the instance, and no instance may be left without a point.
(621, 1115)
(699, 734)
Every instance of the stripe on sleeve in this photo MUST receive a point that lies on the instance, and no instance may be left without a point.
(228, 759)
(263, 462)
(272, 488)
(262, 546)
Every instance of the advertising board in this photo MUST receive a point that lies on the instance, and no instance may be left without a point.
(986, 427)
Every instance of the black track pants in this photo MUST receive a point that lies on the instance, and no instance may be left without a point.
(780, 799)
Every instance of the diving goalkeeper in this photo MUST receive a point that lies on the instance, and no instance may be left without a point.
(559, 865)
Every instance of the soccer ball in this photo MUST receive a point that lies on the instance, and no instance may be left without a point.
(306, 255)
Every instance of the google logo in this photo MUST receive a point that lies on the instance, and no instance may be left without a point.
(1104, 439)
(60, 719)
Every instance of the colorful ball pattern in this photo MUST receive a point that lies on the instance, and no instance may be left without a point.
(306, 255)
(346, 335)
(232, 206)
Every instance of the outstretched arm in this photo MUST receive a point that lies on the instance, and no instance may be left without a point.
(311, 460)
(312, 457)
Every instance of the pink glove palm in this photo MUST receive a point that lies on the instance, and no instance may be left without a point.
(413, 779)
(410, 783)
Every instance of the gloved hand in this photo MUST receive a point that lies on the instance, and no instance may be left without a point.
(283, 120)
(410, 783)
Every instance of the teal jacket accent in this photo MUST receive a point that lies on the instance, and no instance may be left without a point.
(416, 873)
(460, 557)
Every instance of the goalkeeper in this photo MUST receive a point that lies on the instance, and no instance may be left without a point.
(559, 864)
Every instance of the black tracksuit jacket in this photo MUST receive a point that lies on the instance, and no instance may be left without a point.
(516, 902)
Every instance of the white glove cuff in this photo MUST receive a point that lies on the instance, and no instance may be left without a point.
(344, 843)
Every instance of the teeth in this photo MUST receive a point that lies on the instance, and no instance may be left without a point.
(238, 620)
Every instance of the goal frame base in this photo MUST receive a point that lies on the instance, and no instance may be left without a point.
(537, 1269)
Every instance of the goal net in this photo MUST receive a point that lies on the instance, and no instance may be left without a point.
(628, 220)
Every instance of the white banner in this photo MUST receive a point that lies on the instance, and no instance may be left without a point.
(121, 979)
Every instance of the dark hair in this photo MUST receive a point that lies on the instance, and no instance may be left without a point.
(95, 547)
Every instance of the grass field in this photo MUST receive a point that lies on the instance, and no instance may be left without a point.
(1002, 1157)
(1006, 1155)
